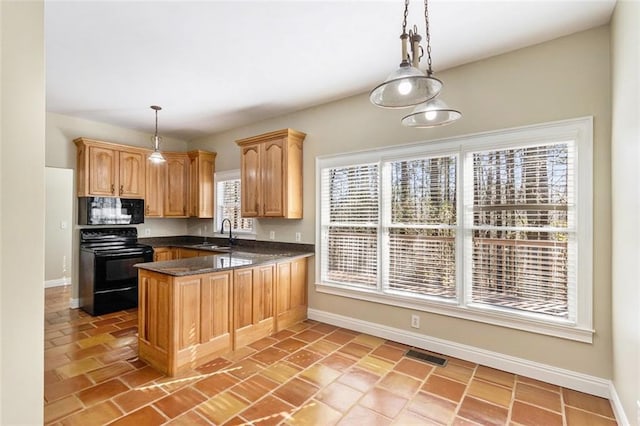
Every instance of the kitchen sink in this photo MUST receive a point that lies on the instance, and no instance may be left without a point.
(210, 246)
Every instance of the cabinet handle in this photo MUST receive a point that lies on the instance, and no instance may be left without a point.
(147, 208)
(113, 189)
(121, 189)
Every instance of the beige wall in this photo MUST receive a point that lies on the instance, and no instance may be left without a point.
(62, 130)
(22, 118)
(547, 82)
(625, 183)
(59, 211)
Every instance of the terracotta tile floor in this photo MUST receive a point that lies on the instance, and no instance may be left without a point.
(310, 374)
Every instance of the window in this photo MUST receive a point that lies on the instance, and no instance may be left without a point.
(228, 202)
(494, 227)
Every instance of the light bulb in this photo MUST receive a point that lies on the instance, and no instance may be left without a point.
(430, 115)
(405, 87)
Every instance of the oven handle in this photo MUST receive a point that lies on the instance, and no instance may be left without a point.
(125, 254)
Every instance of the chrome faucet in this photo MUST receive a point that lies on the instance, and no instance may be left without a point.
(231, 239)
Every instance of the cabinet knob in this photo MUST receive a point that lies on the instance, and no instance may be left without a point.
(113, 189)
(147, 208)
(121, 189)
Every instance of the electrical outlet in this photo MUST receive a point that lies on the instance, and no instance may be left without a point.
(63, 224)
(147, 232)
(205, 228)
(199, 231)
(272, 235)
(415, 321)
(298, 237)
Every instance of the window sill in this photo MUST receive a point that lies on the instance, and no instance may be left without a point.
(564, 330)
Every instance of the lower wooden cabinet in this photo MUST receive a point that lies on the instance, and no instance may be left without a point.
(184, 253)
(291, 293)
(253, 316)
(183, 322)
(163, 253)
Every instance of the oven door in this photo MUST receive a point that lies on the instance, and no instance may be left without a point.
(114, 270)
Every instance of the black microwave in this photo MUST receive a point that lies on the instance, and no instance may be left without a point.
(110, 211)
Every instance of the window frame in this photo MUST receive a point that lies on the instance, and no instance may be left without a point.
(221, 177)
(579, 130)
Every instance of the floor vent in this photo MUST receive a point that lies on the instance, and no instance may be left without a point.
(431, 359)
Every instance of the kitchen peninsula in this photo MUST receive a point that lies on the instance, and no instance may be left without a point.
(218, 299)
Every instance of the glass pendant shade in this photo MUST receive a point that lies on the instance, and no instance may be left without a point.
(405, 87)
(156, 156)
(432, 113)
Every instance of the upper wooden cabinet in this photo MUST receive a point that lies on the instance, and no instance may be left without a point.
(176, 186)
(154, 201)
(201, 190)
(182, 186)
(271, 174)
(110, 170)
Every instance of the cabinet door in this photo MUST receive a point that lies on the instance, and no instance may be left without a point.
(201, 190)
(176, 187)
(162, 253)
(184, 253)
(102, 171)
(253, 304)
(192, 207)
(273, 178)
(291, 293)
(215, 299)
(206, 168)
(250, 177)
(154, 197)
(132, 174)
(263, 282)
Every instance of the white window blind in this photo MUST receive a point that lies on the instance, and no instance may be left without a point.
(495, 227)
(228, 202)
(522, 203)
(351, 201)
(421, 201)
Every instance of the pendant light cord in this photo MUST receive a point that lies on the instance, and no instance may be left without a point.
(428, 37)
(406, 14)
(156, 123)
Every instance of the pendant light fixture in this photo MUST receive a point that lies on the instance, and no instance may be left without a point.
(432, 113)
(156, 156)
(409, 86)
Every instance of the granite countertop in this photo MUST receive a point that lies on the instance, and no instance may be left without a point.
(223, 257)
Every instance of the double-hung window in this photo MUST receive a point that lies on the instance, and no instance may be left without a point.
(227, 186)
(493, 227)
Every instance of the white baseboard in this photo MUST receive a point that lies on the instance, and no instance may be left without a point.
(57, 283)
(546, 373)
(74, 303)
(621, 417)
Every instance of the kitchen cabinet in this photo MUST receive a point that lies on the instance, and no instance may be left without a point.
(253, 313)
(208, 313)
(291, 293)
(163, 253)
(183, 322)
(271, 174)
(154, 200)
(110, 170)
(201, 189)
(176, 184)
(184, 253)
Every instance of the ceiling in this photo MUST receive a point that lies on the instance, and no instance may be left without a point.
(216, 65)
